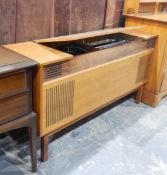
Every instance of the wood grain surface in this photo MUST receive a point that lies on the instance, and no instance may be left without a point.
(87, 15)
(22, 20)
(155, 23)
(34, 19)
(62, 17)
(7, 21)
(113, 13)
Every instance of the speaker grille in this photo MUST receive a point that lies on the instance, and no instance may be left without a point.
(59, 102)
(52, 71)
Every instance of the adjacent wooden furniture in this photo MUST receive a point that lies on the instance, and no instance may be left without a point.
(16, 96)
(79, 74)
(155, 24)
(145, 6)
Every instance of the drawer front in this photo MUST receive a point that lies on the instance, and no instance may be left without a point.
(13, 107)
(164, 82)
(13, 83)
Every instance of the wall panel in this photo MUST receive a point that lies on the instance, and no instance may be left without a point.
(87, 15)
(25, 20)
(62, 17)
(34, 19)
(7, 21)
(113, 13)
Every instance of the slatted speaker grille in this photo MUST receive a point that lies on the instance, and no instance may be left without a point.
(59, 103)
(52, 71)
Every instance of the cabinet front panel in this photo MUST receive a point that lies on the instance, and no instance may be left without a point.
(14, 107)
(68, 99)
(14, 83)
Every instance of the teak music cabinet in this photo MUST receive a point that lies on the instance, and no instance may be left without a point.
(156, 24)
(79, 74)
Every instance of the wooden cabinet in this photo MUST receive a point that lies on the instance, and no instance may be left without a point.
(145, 6)
(15, 85)
(131, 7)
(66, 87)
(154, 23)
(16, 96)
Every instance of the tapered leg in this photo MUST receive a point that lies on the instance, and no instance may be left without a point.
(32, 138)
(139, 95)
(44, 148)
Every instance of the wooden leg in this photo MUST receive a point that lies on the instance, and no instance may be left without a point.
(139, 95)
(28, 121)
(32, 138)
(44, 148)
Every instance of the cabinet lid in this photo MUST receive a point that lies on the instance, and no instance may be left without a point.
(12, 61)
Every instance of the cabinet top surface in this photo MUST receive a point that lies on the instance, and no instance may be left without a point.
(46, 55)
(161, 17)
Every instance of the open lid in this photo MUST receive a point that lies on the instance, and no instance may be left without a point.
(74, 37)
(41, 54)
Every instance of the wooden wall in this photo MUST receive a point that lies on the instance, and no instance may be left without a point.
(23, 20)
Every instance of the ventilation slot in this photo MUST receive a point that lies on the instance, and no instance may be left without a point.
(59, 103)
(53, 71)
